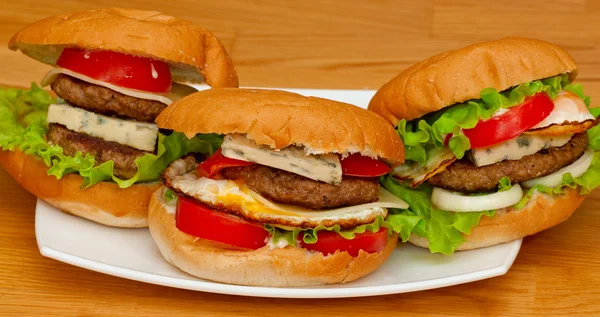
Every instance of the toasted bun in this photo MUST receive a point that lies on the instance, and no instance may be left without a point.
(278, 119)
(192, 52)
(263, 267)
(457, 76)
(540, 213)
(104, 203)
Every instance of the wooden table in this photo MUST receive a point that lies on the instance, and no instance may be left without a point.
(322, 44)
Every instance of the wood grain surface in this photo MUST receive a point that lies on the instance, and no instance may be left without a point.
(322, 44)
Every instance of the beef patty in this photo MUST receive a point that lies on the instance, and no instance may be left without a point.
(463, 176)
(106, 101)
(289, 188)
(72, 142)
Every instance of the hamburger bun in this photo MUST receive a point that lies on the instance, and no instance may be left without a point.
(289, 266)
(278, 119)
(193, 53)
(104, 202)
(457, 76)
(541, 212)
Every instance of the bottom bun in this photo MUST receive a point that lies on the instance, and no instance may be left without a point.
(104, 202)
(288, 266)
(541, 212)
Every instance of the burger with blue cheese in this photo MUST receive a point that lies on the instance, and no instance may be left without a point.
(500, 143)
(291, 198)
(95, 151)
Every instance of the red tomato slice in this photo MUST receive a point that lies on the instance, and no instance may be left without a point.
(328, 242)
(509, 125)
(121, 69)
(217, 162)
(363, 166)
(203, 222)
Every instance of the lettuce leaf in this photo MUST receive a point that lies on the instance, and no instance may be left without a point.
(421, 136)
(401, 224)
(442, 228)
(586, 182)
(23, 126)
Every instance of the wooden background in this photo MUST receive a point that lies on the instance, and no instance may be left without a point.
(322, 44)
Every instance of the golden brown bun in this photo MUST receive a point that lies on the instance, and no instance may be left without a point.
(263, 267)
(104, 202)
(191, 51)
(540, 213)
(278, 119)
(457, 76)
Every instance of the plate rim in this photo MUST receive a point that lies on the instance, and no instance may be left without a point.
(272, 292)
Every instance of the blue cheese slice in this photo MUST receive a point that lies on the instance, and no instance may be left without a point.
(138, 135)
(516, 149)
(324, 167)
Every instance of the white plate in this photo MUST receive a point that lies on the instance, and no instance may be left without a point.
(131, 253)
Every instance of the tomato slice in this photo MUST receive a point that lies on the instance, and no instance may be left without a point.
(217, 162)
(328, 242)
(121, 69)
(203, 222)
(511, 124)
(363, 166)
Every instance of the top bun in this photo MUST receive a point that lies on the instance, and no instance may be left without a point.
(278, 119)
(193, 53)
(457, 76)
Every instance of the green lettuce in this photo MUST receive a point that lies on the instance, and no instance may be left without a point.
(442, 228)
(170, 195)
(23, 126)
(401, 224)
(422, 135)
(586, 182)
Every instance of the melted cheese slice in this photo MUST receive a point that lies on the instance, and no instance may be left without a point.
(320, 167)
(138, 135)
(252, 206)
(177, 92)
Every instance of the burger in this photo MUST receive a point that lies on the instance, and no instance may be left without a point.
(500, 143)
(95, 151)
(291, 198)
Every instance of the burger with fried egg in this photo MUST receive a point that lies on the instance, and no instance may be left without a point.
(291, 198)
(96, 152)
(500, 143)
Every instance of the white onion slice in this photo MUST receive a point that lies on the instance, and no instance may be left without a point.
(576, 169)
(457, 202)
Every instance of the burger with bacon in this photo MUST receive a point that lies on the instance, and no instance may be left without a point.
(500, 143)
(95, 151)
(291, 198)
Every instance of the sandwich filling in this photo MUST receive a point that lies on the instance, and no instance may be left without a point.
(294, 197)
(474, 158)
(102, 123)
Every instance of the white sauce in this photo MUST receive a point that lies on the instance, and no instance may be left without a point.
(282, 243)
(154, 72)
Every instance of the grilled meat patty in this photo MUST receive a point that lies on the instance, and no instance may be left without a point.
(289, 188)
(71, 142)
(106, 101)
(463, 176)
